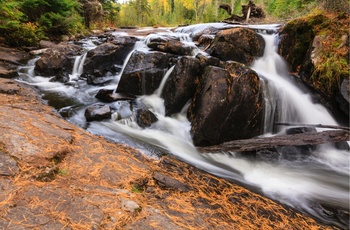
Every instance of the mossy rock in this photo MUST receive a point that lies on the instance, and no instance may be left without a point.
(296, 39)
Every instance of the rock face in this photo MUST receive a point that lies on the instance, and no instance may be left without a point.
(227, 105)
(144, 72)
(57, 60)
(106, 56)
(237, 44)
(181, 84)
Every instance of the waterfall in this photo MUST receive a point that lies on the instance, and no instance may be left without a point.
(308, 183)
(283, 98)
(162, 84)
(78, 67)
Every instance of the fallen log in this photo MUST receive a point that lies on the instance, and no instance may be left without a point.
(314, 125)
(300, 139)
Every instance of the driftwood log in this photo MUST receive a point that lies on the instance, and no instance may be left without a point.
(300, 139)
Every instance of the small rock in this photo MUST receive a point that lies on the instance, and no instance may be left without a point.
(98, 112)
(171, 183)
(129, 205)
(145, 118)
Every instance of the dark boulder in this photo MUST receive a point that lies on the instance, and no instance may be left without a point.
(57, 59)
(173, 46)
(108, 95)
(181, 84)
(342, 96)
(144, 72)
(205, 40)
(237, 44)
(228, 105)
(296, 38)
(104, 57)
(98, 112)
(210, 60)
(145, 118)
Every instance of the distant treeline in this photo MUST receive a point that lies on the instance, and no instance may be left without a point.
(26, 22)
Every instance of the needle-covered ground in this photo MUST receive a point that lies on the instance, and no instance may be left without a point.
(54, 175)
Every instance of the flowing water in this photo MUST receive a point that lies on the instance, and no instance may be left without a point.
(317, 184)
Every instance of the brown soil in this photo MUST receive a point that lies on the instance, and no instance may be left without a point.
(54, 175)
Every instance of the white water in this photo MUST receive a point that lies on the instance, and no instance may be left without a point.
(302, 183)
(77, 68)
(293, 105)
(322, 177)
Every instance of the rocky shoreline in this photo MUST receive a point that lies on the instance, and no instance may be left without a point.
(54, 175)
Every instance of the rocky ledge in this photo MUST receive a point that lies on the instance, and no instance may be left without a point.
(54, 175)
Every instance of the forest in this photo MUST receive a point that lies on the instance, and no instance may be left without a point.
(26, 22)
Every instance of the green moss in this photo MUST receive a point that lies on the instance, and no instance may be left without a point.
(136, 188)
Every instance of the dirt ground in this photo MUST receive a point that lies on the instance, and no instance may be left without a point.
(54, 175)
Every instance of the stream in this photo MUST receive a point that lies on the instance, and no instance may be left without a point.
(316, 184)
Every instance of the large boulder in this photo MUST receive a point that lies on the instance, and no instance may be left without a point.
(228, 105)
(237, 44)
(181, 84)
(144, 72)
(57, 60)
(105, 57)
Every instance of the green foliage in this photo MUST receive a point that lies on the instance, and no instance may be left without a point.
(25, 23)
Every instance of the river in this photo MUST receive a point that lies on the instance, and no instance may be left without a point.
(316, 184)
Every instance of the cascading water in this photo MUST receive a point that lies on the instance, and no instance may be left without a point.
(293, 105)
(309, 183)
(78, 67)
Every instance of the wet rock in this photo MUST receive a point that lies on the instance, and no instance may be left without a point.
(205, 40)
(8, 166)
(171, 46)
(237, 44)
(295, 40)
(145, 118)
(104, 57)
(57, 59)
(107, 95)
(209, 60)
(181, 84)
(98, 112)
(170, 183)
(144, 72)
(197, 31)
(342, 96)
(227, 105)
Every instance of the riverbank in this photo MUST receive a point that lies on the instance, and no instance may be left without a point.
(54, 175)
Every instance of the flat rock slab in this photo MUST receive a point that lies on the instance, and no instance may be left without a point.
(8, 166)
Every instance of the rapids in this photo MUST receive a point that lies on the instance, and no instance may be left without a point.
(317, 184)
